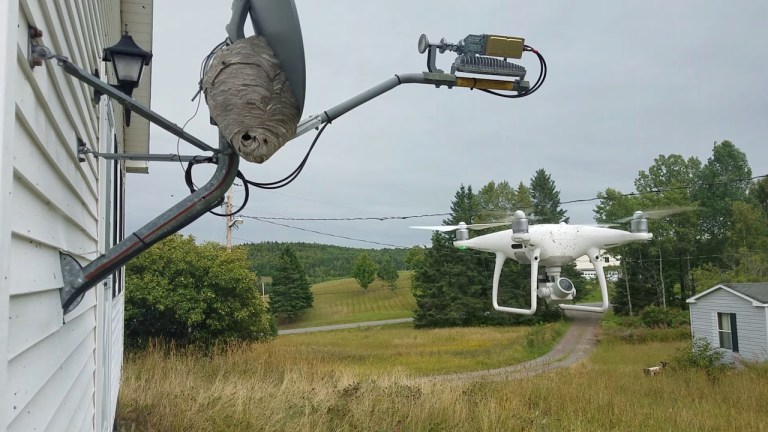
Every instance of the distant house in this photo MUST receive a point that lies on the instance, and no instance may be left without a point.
(611, 266)
(733, 317)
(61, 372)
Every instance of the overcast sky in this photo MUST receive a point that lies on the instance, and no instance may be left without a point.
(627, 81)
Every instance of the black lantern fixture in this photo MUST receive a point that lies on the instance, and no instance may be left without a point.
(129, 61)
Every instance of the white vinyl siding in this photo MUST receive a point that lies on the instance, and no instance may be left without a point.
(8, 22)
(51, 202)
(751, 323)
(61, 372)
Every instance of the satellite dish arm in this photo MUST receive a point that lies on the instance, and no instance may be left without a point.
(337, 111)
(235, 29)
(500, 258)
(594, 257)
(77, 279)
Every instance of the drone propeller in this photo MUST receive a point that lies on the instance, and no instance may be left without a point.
(658, 213)
(446, 228)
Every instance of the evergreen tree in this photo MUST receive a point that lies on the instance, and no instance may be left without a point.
(546, 199)
(291, 292)
(388, 273)
(364, 270)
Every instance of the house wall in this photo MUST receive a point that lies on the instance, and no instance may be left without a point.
(8, 18)
(752, 329)
(56, 372)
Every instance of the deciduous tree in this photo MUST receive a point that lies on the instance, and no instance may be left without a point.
(364, 270)
(193, 294)
(388, 273)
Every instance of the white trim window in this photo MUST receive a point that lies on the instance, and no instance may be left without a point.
(726, 331)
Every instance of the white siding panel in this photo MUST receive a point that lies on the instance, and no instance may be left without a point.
(77, 410)
(38, 220)
(41, 112)
(118, 313)
(45, 174)
(41, 377)
(8, 24)
(46, 275)
(57, 36)
(29, 322)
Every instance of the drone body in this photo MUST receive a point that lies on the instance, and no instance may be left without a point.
(549, 246)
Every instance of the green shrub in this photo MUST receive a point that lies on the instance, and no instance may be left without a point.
(701, 354)
(540, 337)
(656, 325)
(193, 294)
(655, 316)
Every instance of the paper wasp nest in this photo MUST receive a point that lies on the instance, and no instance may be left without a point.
(250, 98)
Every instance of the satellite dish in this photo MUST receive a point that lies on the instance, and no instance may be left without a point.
(278, 23)
(423, 43)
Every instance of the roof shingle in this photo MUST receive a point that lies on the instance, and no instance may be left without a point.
(757, 291)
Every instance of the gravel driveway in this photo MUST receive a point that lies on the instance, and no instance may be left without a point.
(576, 344)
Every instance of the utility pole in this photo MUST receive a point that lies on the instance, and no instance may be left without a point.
(626, 281)
(228, 212)
(661, 276)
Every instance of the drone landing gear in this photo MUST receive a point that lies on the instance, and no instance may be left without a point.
(594, 257)
(552, 288)
(500, 258)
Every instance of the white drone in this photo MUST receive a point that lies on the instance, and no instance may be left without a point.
(551, 246)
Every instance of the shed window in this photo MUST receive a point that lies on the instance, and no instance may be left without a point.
(726, 329)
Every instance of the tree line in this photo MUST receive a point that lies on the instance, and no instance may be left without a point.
(321, 262)
(724, 238)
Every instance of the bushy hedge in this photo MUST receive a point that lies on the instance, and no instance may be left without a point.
(193, 294)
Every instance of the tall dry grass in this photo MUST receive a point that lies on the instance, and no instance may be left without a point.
(289, 387)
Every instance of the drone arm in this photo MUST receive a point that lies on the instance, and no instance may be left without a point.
(594, 257)
(500, 258)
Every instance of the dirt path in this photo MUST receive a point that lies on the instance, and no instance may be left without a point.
(576, 344)
(344, 326)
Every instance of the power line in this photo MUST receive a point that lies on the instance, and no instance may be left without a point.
(378, 218)
(323, 233)
(662, 190)
(724, 255)
(574, 201)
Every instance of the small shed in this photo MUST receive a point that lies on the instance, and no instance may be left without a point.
(733, 317)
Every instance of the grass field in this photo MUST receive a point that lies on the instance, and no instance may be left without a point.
(368, 380)
(343, 301)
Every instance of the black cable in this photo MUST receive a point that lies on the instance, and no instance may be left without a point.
(285, 181)
(329, 235)
(242, 206)
(535, 86)
(378, 218)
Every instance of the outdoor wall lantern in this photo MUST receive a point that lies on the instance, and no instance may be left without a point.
(128, 60)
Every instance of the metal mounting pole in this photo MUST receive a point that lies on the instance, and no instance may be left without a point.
(78, 279)
(127, 101)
